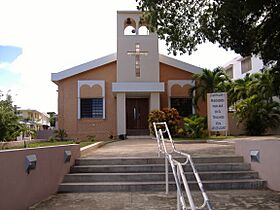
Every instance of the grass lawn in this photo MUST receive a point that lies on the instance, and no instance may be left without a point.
(49, 143)
(55, 143)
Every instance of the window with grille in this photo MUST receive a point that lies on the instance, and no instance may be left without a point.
(92, 108)
(246, 65)
(183, 106)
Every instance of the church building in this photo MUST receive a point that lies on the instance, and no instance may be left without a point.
(113, 95)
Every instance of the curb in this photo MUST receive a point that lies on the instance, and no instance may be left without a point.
(190, 142)
(221, 142)
(89, 148)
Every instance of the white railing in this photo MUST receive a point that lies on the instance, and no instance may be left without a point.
(161, 129)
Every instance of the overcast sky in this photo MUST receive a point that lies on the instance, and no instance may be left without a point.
(40, 37)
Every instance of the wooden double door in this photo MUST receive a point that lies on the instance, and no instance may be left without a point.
(137, 110)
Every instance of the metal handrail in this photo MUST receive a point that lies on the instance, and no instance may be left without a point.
(180, 175)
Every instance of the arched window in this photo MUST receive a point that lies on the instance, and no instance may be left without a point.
(129, 27)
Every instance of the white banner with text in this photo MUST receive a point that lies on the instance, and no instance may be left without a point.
(217, 111)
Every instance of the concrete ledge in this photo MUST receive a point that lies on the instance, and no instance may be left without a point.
(89, 148)
(38, 184)
(269, 159)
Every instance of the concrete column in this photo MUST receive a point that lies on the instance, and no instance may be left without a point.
(154, 101)
(121, 114)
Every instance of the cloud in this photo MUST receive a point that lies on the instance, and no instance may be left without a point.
(9, 53)
(54, 35)
(4, 65)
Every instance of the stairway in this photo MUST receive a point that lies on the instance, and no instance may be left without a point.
(148, 174)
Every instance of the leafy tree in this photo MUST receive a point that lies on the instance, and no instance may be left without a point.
(9, 124)
(52, 118)
(209, 82)
(247, 27)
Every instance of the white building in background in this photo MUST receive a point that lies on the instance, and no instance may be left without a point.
(34, 119)
(238, 67)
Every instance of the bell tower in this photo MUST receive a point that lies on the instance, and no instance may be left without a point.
(137, 49)
(138, 85)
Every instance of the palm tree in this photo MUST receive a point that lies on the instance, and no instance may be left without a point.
(264, 86)
(60, 134)
(209, 82)
(240, 89)
(258, 115)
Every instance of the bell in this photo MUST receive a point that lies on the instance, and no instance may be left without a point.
(128, 21)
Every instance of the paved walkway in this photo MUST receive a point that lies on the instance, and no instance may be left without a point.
(148, 148)
(226, 200)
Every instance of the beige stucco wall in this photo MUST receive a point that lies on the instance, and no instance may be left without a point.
(68, 105)
(171, 73)
(268, 167)
(101, 128)
(20, 190)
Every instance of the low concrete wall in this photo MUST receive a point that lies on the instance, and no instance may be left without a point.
(239, 129)
(268, 167)
(45, 134)
(18, 189)
(233, 128)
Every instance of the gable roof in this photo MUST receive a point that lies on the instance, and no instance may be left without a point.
(112, 58)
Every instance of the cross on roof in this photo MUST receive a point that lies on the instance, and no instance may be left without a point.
(137, 53)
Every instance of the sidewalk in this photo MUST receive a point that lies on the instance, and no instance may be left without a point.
(225, 200)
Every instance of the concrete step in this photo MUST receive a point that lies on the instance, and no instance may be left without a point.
(156, 160)
(148, 174)
(156, 176)
(157, 168)
(157, 186)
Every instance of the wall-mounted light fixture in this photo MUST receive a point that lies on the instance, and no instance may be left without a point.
(255, 155)
(30, 163)
(67, 156)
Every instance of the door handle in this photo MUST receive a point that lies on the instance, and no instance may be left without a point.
(134, 114)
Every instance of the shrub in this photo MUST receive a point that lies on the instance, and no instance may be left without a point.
(51, 139)
(258, 115)
(60, 134)
(91, 138)
(172, 119)
(168, 115)
(195, 126)
(155, 116)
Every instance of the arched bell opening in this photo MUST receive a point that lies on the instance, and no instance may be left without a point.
(129, 26)
(143, 29)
